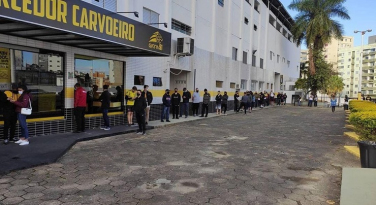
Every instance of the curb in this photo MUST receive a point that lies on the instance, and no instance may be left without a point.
(354, 150)
(202, 118)
(350, 127)
(352, 135)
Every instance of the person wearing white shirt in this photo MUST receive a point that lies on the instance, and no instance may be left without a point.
(196, 102)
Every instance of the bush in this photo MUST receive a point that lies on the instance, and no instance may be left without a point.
(363, 117)
(359, 106)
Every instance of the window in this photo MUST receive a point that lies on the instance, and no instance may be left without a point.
(288, 64)
(218, 84)
(261, 63)
(271, 55)
(150, 17)
(232, 85)
(253, 60)
(221, 2)
(248, 2)
(181, 27)
(278, 27)
(157, 81)
(283, 60)
(42, 74)
(234, 53)
(261, 86)
(256, 7)
(245, 54)
(139, 80)
(253, 85)
(246, 20)
(267, 85)
(271, 20)
(277, 58)
(243, 84)
(255, 27)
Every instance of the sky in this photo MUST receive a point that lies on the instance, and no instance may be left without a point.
(362, 14)
(85, 66)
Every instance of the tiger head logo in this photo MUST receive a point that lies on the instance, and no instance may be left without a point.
(155, 41)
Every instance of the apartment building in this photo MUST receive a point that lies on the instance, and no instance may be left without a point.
(331, 49)
(349, 66)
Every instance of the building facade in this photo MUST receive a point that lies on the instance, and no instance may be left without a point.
(331, 49)
(238, 45)
(349, 61)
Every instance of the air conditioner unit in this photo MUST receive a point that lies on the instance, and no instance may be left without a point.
(185, 46)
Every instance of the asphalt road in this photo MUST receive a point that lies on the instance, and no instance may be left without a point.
(282, 155)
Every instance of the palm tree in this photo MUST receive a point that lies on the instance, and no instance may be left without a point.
(314, 24)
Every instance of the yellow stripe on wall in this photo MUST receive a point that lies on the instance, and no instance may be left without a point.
(69, 92)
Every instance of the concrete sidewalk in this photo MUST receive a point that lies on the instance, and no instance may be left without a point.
(358, 186)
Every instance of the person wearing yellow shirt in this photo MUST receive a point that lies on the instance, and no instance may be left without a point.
(10, 115)
(130, 97)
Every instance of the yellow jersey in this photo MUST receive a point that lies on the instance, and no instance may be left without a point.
(12, 95)
(131, 94)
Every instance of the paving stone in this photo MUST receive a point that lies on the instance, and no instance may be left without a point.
(272, 156)
(12, 200)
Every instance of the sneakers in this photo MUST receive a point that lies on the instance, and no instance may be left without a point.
(168, 121)
(6, 141)
(107, 128)
(162, 121)
(102, 128)
(139, 133)
(24, 143)
(146, 123)
(19, 141)
(143, 133)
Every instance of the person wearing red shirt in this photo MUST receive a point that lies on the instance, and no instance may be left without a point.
(79, 107)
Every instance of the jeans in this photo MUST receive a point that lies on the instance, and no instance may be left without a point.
(23, 125)
(79, 113)
(165, 113)
(315, 103)
(184, 109)
(224, 108)
(310, 103)
(10, 121)
(105, 118)
(195, 108)
(333, 108)
(140, 116)
(205, 110)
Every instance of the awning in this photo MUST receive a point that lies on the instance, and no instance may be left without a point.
(80, 24)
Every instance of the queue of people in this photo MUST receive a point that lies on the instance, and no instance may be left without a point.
(13, 102)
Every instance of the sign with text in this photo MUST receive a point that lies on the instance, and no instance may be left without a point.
(4, 68)
(82, 18)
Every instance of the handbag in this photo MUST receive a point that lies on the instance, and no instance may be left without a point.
(27, 111)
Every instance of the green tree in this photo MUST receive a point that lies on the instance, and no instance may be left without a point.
(320, 80)
(315, 24)
(335, 85)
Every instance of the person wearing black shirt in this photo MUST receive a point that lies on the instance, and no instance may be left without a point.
(175, 99)
(9, 113)
(105, 98)
(139, 108)
(185, 106)
(149, 99)
(236, 101)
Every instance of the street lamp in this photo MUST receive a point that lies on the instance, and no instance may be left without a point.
(361, 61)
(165, 24)
(128, 12)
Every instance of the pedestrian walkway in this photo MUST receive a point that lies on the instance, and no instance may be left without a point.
(48, 149)
(278, 155)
